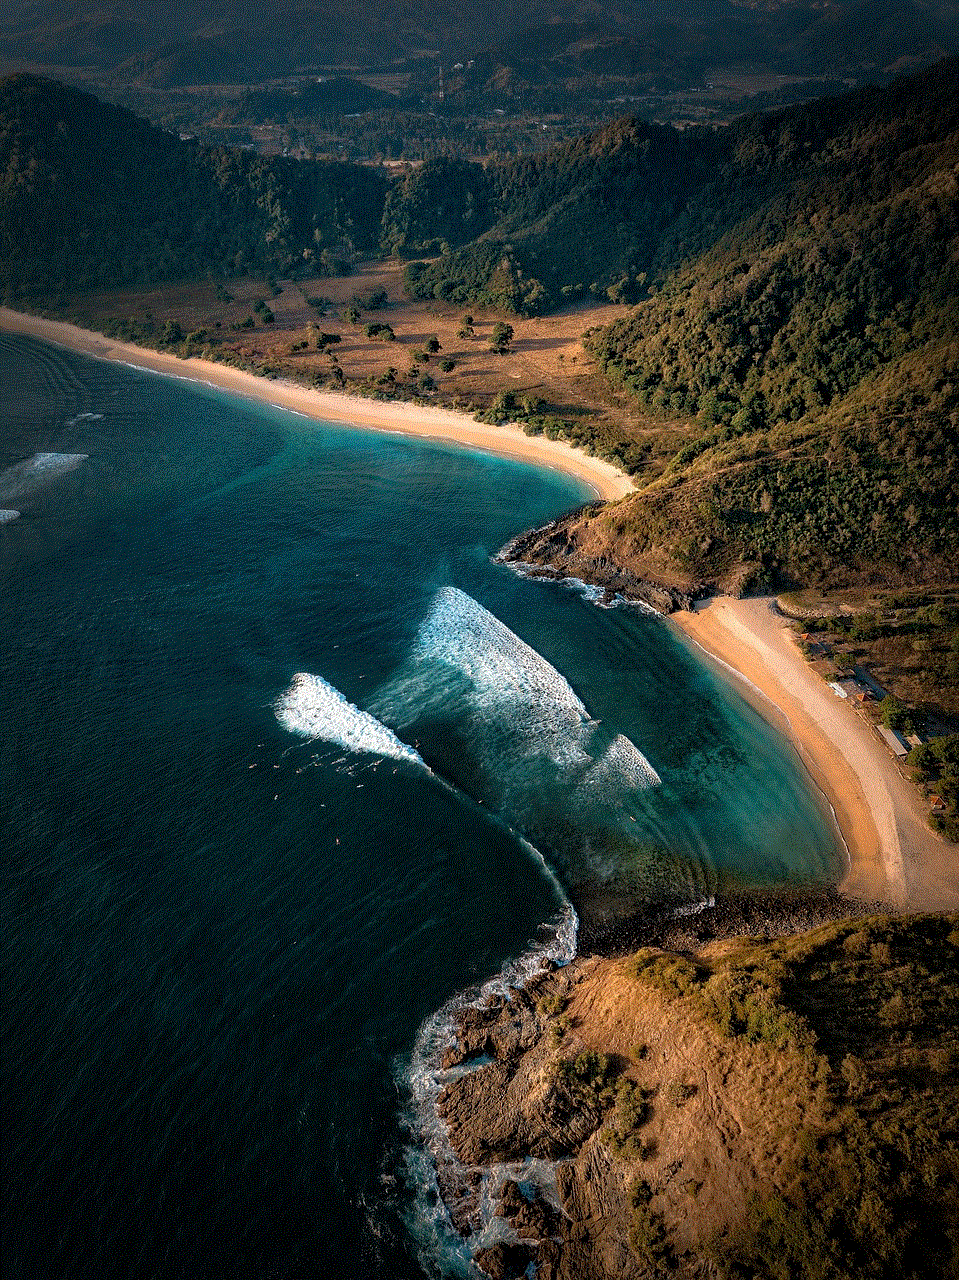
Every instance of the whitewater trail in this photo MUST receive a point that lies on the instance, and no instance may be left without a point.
(527, 755)
(429, 1153)
(23, 478)
(512, 686)
(313, 708)
(527, 748)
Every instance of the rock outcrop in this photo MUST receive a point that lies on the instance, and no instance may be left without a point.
(566, 548)
(629, 1118)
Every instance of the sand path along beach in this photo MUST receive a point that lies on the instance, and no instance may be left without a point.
(893, 854)
(430, 421)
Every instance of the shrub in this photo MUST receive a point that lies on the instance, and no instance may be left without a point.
(679, 1092)
(647, 1228)
(382, 331)
(551, 1005)
(671, 973)
(590, 1075)
(375, 300)
(632, 1112)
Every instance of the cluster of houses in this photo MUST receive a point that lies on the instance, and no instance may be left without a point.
(859, 687)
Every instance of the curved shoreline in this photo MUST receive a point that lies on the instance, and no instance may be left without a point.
(427, 421)
(894, 856)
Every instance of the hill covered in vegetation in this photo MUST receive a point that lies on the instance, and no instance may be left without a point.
(539, 44)
(92, 195)
(657, 198)
(798, 347)
(788, 372)
(781, 1108)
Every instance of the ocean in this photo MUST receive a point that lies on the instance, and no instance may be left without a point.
(287, 762)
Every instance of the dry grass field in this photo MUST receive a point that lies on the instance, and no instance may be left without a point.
(546, 359)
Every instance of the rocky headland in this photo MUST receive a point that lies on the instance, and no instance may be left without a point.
(569, 548)
(716, 1110)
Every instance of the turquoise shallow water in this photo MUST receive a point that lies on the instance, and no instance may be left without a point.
(223, 932)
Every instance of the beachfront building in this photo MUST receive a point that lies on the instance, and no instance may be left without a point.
(896, 742)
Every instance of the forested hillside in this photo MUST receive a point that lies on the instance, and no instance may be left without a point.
(586, 215)
(92, 195)
(630, 204)
(529, 43)
(801, 273)
(792, 354)
(823, 248)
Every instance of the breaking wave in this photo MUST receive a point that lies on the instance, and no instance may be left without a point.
(23, 477)
(534, 705)
(515, 735)
(313, 708)
(460, 632)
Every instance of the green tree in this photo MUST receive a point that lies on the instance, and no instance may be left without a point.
(501, 337)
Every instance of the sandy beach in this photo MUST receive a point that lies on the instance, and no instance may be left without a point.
(429, 421)
(893, 855)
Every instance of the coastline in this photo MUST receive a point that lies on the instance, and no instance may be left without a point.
(894, 856)
(427, 421)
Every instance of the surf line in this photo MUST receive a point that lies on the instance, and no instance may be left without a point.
(317, 710)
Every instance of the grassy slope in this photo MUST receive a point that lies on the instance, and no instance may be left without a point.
(779, 1108)
(803, 325)
(817, 342)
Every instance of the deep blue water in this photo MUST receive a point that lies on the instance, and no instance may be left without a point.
(220, 935)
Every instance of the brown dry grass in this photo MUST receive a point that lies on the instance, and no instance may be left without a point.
(748, 1118)
(547, 359)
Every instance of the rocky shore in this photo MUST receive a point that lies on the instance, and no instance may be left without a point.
(541, 1076)
(553, 551)
(510, 1113)
(768, 913)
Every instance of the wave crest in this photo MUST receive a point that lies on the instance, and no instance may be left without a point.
(23, 477)
(313, 708)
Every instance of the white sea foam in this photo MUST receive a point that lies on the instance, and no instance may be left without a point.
(696, 908)
(598, 596)
(7, 516)
(312, 707)
(535, 707)
(460, 632)
(621, 765)
(84, 417)
(23, 477)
